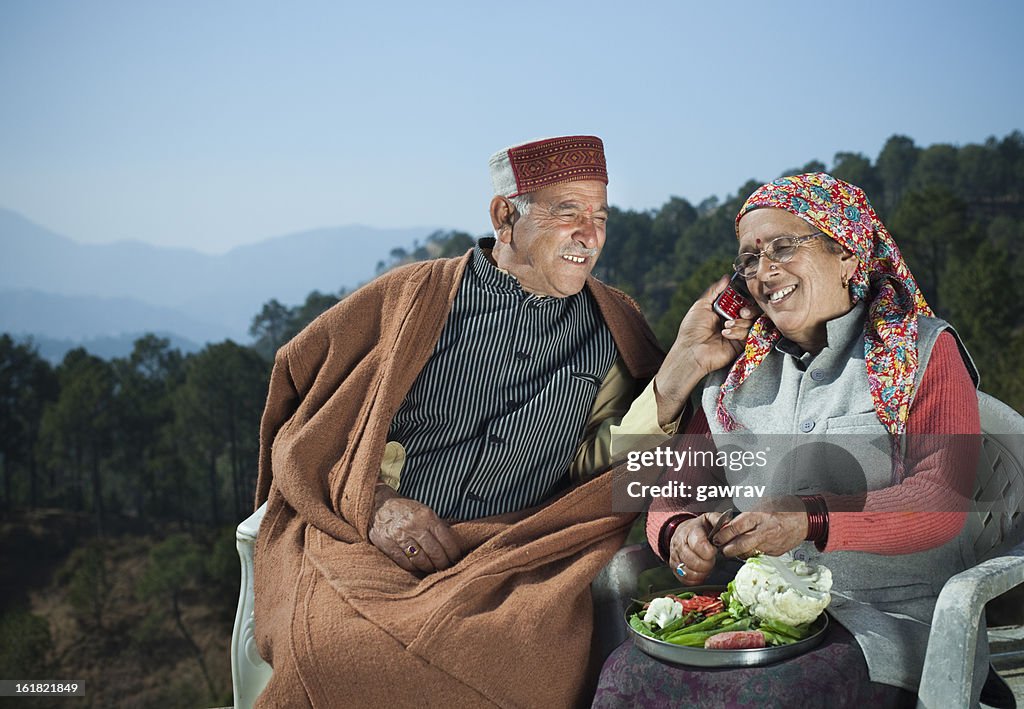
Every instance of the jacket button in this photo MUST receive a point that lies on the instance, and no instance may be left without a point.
(807, 426)
(817, 375)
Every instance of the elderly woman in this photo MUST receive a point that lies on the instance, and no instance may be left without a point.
(846, 344)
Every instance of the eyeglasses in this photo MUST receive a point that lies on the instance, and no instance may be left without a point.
(780, 249)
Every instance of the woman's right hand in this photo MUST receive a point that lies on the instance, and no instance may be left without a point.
(703, 345)
(690, 546)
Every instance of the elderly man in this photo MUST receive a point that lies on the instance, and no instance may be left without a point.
(432, 524)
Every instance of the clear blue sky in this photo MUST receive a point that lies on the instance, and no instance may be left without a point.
(212, 124)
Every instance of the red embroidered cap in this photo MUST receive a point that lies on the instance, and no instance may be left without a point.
(529, 166)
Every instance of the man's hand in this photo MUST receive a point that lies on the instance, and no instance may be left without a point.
(703, 345)
(411, 534)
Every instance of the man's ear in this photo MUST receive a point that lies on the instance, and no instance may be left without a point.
(502, 214)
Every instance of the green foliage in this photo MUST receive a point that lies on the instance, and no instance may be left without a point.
(627, 256)
(77, 430)
(148, 631)
(893, 167)
(1003, 377)
(174, 565)
(25, 645)
(315, 303)
(89, 585)
(928, 226)
(270, 327)
(27, 385)
(221, 568)
(809, 166)
(216, 421)
(858, 170)
(454, 243)
(183, 693)
(143, 451)
(936, 167)
(969, 283)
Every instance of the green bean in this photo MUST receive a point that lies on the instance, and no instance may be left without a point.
(639, 626)
(706, 624)
(677, 623)
(775, 638)
(691, 638)
(798, 632)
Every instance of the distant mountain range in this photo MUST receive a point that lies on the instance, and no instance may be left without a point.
(54, 288)
(104, 346)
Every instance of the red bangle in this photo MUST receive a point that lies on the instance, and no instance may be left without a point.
(665, 538)
(817, 520)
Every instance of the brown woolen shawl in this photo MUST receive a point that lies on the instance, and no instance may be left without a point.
(340, 623)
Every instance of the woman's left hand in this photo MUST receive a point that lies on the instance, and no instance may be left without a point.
(773, 528)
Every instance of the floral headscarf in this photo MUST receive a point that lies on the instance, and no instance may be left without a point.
(842, 211)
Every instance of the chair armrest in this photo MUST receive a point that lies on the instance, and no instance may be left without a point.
(618, 578)
(249, 672)
(612, 590)
(250, 526)
(952, 644)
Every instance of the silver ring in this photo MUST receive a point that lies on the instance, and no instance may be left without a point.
(681, 570)
(774, 267)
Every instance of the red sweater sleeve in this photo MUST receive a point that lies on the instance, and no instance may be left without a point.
(662, 509)
(929, 507)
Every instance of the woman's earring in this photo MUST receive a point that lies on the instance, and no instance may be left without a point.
(845, 281)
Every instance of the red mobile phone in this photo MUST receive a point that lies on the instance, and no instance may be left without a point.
(733, 299)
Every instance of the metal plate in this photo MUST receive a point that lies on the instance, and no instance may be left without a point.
(699, 657)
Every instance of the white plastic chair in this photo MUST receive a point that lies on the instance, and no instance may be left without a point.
(952, 643)
(249, 672)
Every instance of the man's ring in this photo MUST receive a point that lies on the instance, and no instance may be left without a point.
(411, 550)
(681, 570)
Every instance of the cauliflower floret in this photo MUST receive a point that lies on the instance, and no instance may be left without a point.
(663, 611)
(784, 590)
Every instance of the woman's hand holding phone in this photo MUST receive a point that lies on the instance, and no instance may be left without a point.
(730, 302)
(702, 345)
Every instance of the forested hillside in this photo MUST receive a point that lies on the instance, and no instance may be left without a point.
(122, 479)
